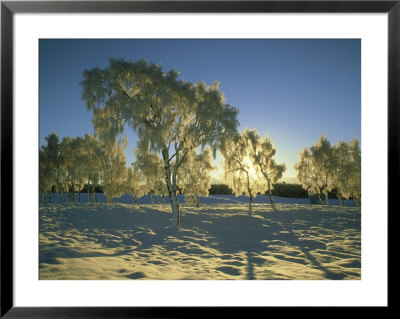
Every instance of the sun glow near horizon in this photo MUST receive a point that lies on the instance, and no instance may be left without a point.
(251, 169)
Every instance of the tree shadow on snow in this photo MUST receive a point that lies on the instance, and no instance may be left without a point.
(232, 233)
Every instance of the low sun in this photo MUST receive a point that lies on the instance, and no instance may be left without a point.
(249, 164)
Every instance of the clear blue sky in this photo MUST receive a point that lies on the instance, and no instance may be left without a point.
(292, 90)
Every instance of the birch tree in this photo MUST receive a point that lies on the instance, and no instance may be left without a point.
(72, 153)
(115, 172)
(172, 116)
(323, 168)
(80, 154)
(151, 167)
(240, 173)
(94, 162)
(55, 157)
(323, 163)
(133, 185)
(355, 171)
(346, 176)
(307, 175)
(341, 171)
(194, 177)
(262, 153)
(161, 188)
(316, 167)
(46, 174)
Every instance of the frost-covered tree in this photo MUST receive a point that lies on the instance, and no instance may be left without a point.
(133, 185)
(55, 158)
(355, 171)
(94, 160)
(46, 174)
(151, 167)
(262, 155)
(240, 173)
(341, 171)
(323, 163)
(315, 168)
(172, 116)
(309, 178)
(67, 169)
(115, 172)
(194, 176)
(73, 156)
(161, 189)
(80, 154)
(323, 168)
(346, 177)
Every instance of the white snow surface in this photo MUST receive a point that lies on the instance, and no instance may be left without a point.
(221, 239)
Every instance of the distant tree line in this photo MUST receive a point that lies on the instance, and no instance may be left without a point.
(280, 189)
(99, 189)
(290, 190)
(87, 165)
(220, 189)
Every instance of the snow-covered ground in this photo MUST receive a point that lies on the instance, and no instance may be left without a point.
(218, 240)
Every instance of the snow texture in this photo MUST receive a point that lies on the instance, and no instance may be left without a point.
(218, 240)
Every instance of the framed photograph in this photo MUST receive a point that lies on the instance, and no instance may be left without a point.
(163, 155)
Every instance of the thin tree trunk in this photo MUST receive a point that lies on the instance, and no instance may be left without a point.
(175, 222)
(171, 190)
(358, 201)
(271, 198)
(88, 192)
(326, 197)
(249, 190)
(175, 210)
(94, 193)
(152, 197)
(340, 200)
(320, 199)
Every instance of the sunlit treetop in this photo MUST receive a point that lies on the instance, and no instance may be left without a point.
(158, 106)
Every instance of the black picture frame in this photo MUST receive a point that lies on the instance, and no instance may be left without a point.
(9, 8)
